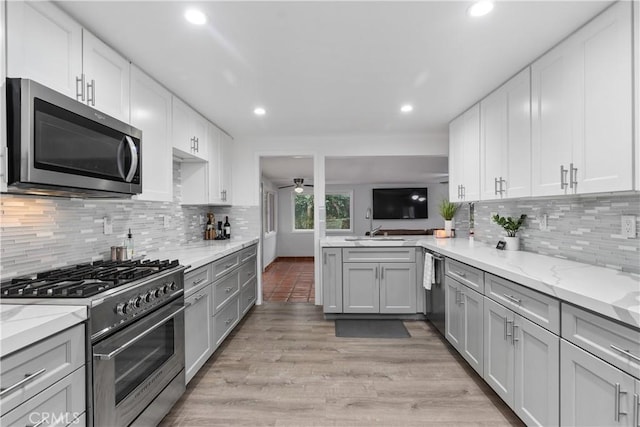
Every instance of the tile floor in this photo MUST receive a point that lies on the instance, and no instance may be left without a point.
(289, 279)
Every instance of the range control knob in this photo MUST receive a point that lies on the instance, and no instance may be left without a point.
(173, 286)
(135, 302)
(165, 289)
(149, 296)
(121, 308)
(157, 293)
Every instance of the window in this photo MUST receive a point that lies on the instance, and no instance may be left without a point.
(269, 214)
(302, 211)
(339, 209)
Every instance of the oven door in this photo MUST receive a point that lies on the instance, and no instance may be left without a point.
(132, 367)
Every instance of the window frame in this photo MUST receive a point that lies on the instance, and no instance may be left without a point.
(293, 213)
(343, 193)
(270, 212)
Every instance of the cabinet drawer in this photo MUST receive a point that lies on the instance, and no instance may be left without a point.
(465, 274)
(248, 295)
(615, 343)
(54, 358)
(225, 320)
(247, 253)
(225, 265)
(539, 308)
(61, 404)
(197, 278)
(248, 271)
(379, 254)
(224, 289)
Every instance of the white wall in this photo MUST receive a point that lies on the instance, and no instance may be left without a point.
(270, 240)
(291, 243)
(362, 200)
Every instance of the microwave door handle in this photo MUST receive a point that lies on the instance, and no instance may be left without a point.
(120, 159)
(134, 158)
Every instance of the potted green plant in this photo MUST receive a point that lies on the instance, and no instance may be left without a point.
(448, 211)
(511, 226)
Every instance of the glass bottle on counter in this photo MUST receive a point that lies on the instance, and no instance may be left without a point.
(227, 228)
(128, 244)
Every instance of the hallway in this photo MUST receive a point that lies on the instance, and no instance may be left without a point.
(289, 279)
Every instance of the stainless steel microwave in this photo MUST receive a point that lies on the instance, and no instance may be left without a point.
(60, 147)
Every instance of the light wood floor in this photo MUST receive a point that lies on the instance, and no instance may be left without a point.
(283, 366)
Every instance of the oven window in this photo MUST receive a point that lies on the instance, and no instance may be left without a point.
(139, 362)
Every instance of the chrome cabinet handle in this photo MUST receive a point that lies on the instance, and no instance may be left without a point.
(463, 192)
(502, 181)
(617, 403)
(514, 336)
(27, 379)
(625, 352)
(495, 186)
(197, 282)
(91, 95)
(507, 329)
(573, 177)
(636, 410)
(563, 175)
(457, 302)
(227, 290)
(512, 298)
(376, 274)
(381, 272)
(80, 84)
(461, 297)
(324, 258)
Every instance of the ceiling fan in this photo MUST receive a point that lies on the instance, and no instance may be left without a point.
(298, 184)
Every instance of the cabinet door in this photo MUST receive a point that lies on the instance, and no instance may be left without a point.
(498, 350)
(361, 289)
(604, 155)
(198, 332)
(225, 166)
(471, 156)
(537, 374)
(151, 113)
(452, 312)
(398, 287)
(553, 94)
(332, 280)
(44, 44)
(456, 147)
(517, 166)
(107, 77)
(493, 143)
(472, 334)
(219, 148)
(181, 127)
(594, 393)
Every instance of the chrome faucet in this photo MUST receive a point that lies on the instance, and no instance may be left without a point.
(372, 231)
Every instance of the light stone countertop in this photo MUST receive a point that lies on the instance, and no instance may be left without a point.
(603, 290)
(23, 324)
(201, 253)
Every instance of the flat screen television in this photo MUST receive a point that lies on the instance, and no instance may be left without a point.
(400, 203)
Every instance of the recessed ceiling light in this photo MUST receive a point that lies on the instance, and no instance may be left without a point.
(195, 17)
(259, 111)
(407, 108)
(480, 8)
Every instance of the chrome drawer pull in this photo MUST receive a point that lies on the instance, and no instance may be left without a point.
(617, 403)
(227, 290)
(199, 297)
(228, 321)
(228, 265)
(27, 378)
(460, 273)
(197, 282)
(512, 298)
(625, 352)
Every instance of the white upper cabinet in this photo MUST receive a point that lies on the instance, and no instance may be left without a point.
(505, 140)
(636, 85)
(107, 77)
(582, 110)
(464, 156)
(189, 132)
(151, 113)
(220, 158)
(46, 45)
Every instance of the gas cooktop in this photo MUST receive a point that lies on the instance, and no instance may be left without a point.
(82, 280)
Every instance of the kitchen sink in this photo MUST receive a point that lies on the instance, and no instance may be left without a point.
(384, 238)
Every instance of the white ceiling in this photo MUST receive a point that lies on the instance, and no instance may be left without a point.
(322, 67)
(358, 170)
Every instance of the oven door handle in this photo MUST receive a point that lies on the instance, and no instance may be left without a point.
(120, 349)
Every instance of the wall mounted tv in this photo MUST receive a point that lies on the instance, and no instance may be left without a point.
(400, 203)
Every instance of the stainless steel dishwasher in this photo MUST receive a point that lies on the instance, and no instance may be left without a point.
(435, 298)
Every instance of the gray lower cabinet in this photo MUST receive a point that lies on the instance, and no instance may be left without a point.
(332, 280)
(199, 330)
(463, 322)
(388, 288)
(595, 393)
(521, 364)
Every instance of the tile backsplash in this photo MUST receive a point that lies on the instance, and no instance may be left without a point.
(580, 228)
(37, 233)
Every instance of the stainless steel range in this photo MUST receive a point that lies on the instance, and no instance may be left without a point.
(135, 333)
